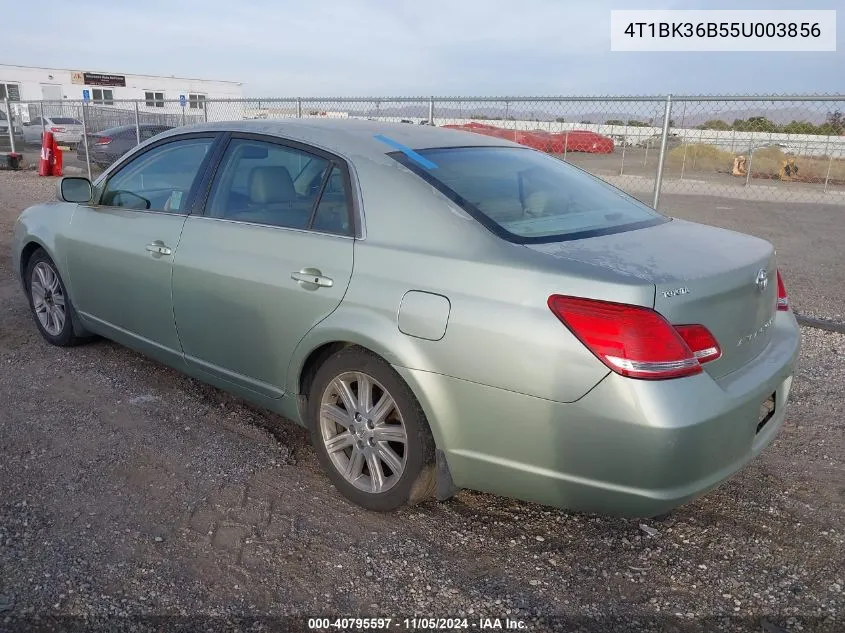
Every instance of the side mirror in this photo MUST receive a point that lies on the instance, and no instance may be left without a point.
(75, 189)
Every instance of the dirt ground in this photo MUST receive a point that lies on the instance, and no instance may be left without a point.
(134, 498)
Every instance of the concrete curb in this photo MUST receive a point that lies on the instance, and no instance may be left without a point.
(820, 324)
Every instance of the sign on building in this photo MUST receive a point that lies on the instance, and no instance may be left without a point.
(97, 79)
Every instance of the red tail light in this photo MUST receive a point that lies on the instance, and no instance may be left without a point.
(635, 341)
(783, 298)
(57, 129)
(103, 140)
(701, 342)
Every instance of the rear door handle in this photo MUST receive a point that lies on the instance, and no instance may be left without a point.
(312, 278)
(158, 248)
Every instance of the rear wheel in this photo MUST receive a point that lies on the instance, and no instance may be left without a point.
(370, 433)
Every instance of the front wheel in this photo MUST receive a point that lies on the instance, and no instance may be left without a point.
(49, 301)
(370, 433)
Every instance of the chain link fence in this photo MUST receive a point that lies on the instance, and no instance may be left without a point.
(771, 148)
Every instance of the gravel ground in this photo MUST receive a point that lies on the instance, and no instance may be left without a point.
(138, 499)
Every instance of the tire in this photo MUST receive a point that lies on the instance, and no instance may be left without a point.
(392, 439)
(50, 304)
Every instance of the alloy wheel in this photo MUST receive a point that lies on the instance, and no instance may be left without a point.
(363, 432)
(48, 298)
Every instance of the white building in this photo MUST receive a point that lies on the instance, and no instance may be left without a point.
(158, 98)
(26, 83)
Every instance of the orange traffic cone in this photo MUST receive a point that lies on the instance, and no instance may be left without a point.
(56, 168)
(45, 164)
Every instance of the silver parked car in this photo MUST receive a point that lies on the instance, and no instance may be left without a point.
(66, 130)
(441, 309)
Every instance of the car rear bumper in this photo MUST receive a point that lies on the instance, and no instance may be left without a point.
(68, 138)
(628, 447)
(97, 156)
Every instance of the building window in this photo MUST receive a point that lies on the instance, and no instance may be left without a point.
(12, 92)
(196, 102)
(154, 99)
(102, 96)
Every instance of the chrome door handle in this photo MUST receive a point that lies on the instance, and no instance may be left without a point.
(308, 278)
(158, 248)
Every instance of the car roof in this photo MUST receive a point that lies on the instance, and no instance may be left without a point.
(117, 129)
(353, 136)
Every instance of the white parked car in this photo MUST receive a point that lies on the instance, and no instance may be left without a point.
(66, 130)
(4, 130)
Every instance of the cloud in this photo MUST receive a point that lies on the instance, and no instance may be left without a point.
(368, 47)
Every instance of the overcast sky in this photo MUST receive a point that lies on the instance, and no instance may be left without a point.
(400, 48)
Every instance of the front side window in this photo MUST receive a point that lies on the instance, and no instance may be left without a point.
(527, 196)
(102, 96)
(265, 183)
(159, 179)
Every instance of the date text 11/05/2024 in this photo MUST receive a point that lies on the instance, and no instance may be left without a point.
(413, 624)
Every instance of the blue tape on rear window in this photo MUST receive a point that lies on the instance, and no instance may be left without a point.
(417, 158)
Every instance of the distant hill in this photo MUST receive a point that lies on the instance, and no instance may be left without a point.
(688, 114)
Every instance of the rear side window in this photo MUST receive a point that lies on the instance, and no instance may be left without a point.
(266, 183)
(526, 196)
(332, 214)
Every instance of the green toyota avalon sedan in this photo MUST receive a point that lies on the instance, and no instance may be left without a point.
(442, 310)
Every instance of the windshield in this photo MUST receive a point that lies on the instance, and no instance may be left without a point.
(526, 196)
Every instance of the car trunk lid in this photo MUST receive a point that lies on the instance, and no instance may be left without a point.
(701, 275)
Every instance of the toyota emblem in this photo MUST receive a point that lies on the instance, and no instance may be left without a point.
(762, 279)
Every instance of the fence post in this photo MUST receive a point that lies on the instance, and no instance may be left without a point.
(658, 180)
(299, 107)
(829, 165)
(205, 111)
(624, 144)
(183, 114)
(43, 122)
(431, 111)
(85, 140)
(750, 159)
(137, 125)
(684, 140)
(11, 127)
(565, 143)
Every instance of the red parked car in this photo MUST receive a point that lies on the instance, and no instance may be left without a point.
(572, 141)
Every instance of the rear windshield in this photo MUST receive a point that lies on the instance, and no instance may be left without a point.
(65, 121)
(527, 196)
